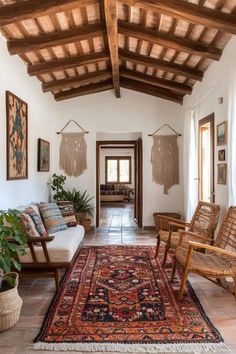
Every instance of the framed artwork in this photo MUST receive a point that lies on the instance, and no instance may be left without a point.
(17, 137)
(43, 155)
(222, 133)
(221, 155)
(221, 173)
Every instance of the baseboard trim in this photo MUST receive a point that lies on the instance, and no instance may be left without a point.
(149, 228)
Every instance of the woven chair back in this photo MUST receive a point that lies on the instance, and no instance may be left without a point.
(205, 219)
(226, 237)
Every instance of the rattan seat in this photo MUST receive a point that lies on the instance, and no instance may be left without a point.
(212, 262)
(204, 222)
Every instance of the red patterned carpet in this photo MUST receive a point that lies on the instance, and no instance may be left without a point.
(117, 298)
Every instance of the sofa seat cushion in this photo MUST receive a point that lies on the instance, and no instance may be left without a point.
(61, 249)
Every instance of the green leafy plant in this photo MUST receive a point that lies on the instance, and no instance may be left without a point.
(58, 182)
(12, 240)
(7, 281)
(81, 201)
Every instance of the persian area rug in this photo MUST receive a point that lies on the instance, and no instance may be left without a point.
(118, 299)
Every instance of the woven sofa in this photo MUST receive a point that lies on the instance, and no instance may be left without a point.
(46, 255)
(109, 193)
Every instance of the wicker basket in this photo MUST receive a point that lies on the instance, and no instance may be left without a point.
(164, 224)
(10, 306)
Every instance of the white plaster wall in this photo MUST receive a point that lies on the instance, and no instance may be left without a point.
(115, 152)
(213, 86)
(41, 111)
(134, 112)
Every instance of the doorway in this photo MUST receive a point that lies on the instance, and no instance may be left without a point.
(119, 183)
(206, 159)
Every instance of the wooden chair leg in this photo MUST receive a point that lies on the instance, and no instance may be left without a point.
(174, 264)
(183, 283)
(57, 278)
(165, 255)
(158, 245)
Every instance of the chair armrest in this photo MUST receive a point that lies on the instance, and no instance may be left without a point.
(177, 225)
(193, 235)
(168, 218)
(42, 239)
(194, 244)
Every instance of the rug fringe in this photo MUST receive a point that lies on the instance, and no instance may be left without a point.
(195, 348)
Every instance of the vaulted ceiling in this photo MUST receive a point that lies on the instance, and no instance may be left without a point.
(80, 47)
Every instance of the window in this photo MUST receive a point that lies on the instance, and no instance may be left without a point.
(118, 169)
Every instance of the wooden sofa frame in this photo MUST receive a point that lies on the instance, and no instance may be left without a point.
(48, 268)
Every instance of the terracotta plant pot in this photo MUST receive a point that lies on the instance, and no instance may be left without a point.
(10, 305)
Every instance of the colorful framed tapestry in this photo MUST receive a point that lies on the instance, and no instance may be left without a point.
(222, 133)
(17, 137)
(43, 155)
(221, 173)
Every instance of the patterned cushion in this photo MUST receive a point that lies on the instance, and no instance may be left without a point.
(29, 226)
(52, 217)
(67, 211)
(37, 221)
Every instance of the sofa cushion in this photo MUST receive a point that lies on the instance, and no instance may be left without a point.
(52, 218)
(37, 221)
(67, 210)
(61, 249)
(29, 226)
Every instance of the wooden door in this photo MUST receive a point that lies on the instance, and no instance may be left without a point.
(206, 159)
(138, 201)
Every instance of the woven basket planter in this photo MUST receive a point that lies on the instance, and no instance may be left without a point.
(10, 306)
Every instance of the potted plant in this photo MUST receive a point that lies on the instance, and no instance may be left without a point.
(12, 244)
(83, 207)
(58, 182)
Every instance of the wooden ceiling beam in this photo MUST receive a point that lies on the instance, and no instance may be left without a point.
(76, 80)
(112, 34)
(151, 90)
(177, 69)
(169, 41)
(66, 63)
(22, 45)
(148, 79)
(85, 90)
(189, 12)
(23, 10)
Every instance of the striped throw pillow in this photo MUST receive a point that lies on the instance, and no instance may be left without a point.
(29, 225)
(53, 220)
(67, 210)
(37, 221)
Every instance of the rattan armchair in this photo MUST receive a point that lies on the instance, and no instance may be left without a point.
(204, 222)
(214, 262)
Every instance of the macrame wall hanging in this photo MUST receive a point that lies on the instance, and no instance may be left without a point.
(73, 152)
(165, 159)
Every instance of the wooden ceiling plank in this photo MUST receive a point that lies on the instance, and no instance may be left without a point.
(24, 10)
(170, 41)
(112, 34)
(189, 12)
(17, 46)
(77, 80)
(85, 90)
(148, 79)
(161, 64)
(135, 85)
(66, 63)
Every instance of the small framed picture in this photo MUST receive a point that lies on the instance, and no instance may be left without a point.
(221, 155)
(43, 155)
(222, 133)
(221, 173)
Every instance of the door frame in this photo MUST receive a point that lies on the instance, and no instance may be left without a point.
(208, 119)
(111, 142)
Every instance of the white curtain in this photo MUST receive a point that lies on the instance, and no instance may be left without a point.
(190, 163)
(232, 138)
